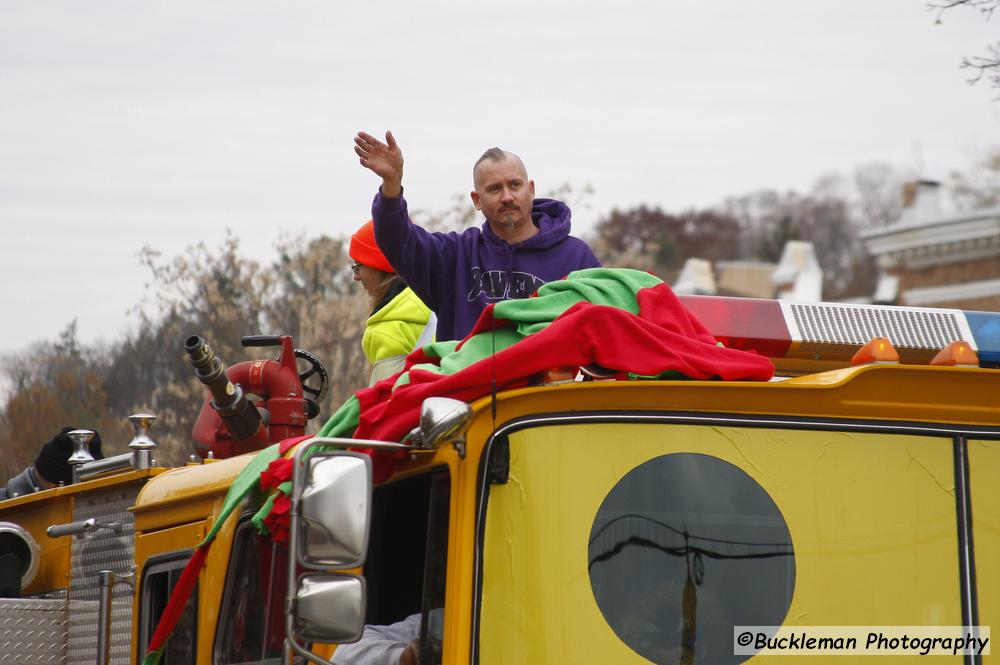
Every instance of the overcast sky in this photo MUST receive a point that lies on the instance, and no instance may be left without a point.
(127, 124)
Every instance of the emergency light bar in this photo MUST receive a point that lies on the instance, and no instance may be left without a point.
(810, 337)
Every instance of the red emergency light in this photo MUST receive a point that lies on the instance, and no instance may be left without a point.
(803, 338)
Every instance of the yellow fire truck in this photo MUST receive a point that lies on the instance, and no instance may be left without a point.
(585, 522)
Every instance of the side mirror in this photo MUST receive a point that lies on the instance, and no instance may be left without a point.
(330, 608)
(442, 420)
(334, 498)
(330, 518)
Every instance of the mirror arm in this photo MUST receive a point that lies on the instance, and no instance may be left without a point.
(293, 543)
(340, 442)
(459, 445)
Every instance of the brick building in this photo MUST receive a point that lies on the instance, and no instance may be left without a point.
(932, 259)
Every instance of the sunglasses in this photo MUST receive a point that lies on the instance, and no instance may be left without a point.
(356, 267)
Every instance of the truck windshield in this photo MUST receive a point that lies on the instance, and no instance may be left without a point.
(631, 543)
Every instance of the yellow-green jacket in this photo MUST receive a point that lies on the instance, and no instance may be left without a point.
(393, 331)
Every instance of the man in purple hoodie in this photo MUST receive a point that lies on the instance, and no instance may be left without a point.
(524, 243)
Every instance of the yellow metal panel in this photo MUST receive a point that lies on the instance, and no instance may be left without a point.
(884, 392)
(984, 470)
(212, 477)
(186, 494)
(872, 519)
(38, 511)
(156, 544)
(35, 513)
(212, 581)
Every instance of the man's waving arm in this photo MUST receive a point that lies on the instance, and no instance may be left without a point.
(424, 260)
(383, 159)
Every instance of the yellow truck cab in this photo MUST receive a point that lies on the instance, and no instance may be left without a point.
(586, 522)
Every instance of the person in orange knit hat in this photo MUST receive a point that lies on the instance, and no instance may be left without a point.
(398, 321)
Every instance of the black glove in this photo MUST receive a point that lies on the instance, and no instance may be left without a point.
(51, 462)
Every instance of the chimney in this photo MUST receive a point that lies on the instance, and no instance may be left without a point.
(921, 202)
(697, 277)
(798, 276)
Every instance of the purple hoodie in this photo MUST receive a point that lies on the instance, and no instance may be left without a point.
(458, 274)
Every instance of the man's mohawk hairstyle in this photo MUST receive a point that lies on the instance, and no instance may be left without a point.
(494, 154)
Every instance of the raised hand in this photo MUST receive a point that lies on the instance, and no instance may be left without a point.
(384, 159)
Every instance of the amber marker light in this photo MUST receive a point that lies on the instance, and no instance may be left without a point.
(877, 350)
(554, 376)
(957, 354)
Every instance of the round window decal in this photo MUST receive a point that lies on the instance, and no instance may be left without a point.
(682, 549)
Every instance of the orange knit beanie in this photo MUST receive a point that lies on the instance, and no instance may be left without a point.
(365, 250)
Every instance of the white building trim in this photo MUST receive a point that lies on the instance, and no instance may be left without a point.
(937, 294)
(938, 242)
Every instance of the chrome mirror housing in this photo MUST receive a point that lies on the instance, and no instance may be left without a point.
(334, 498)
(329, 608)
(442, 420)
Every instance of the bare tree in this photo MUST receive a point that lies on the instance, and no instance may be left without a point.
(317, 301)
(220, 295)
(458, 215)
(651, 239)
(54, 385)
(878, 190)
(979, 187)
(768, 219)
(982, 66)
(217, 293)
(461, 214)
